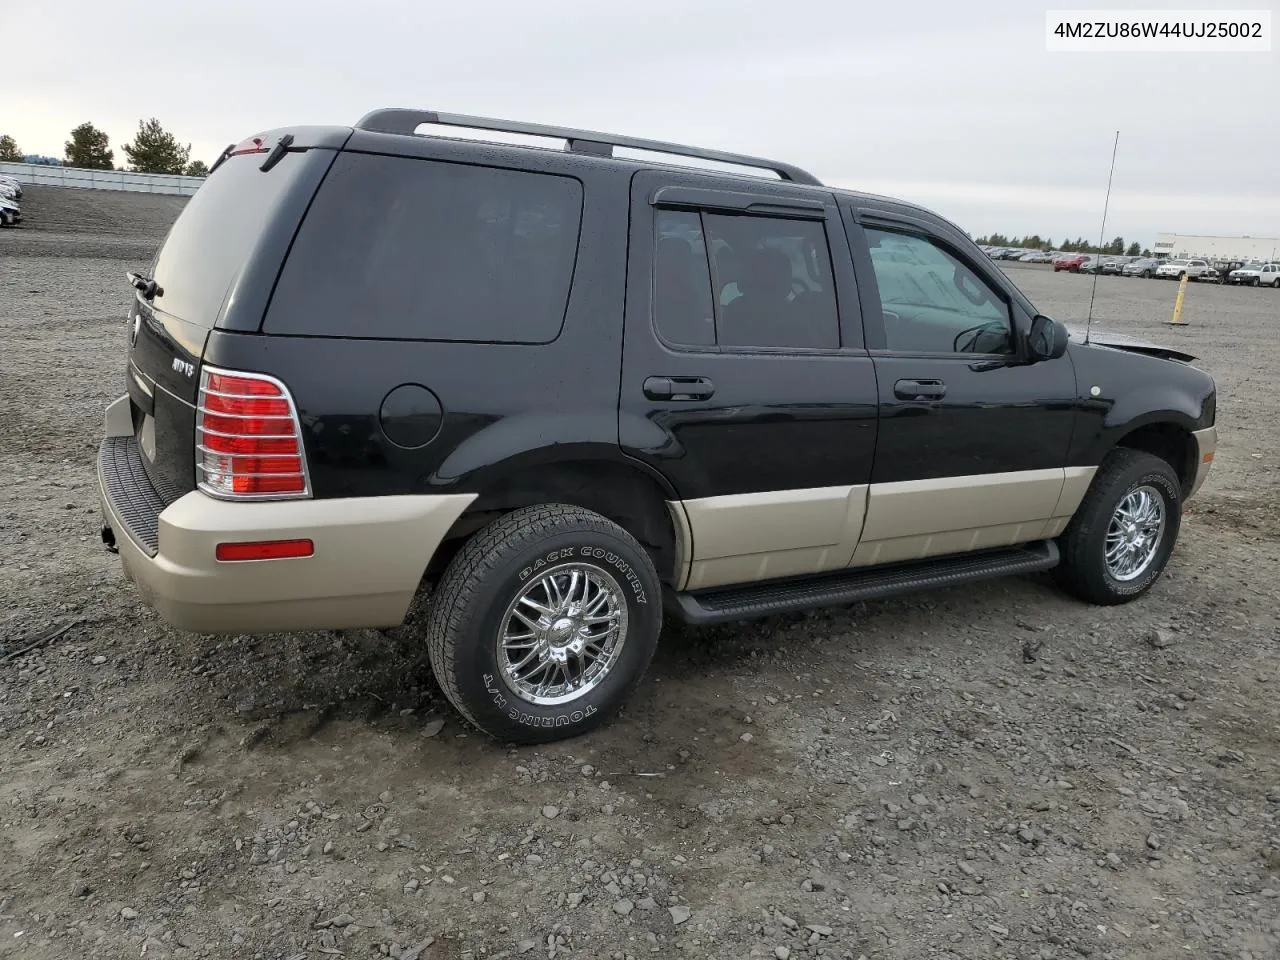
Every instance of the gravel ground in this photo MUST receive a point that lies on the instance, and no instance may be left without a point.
(992, 771)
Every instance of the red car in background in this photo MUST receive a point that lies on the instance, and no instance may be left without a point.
(1071, 263)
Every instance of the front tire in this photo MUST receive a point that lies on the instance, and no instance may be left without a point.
(544, 623)
(1121, 537)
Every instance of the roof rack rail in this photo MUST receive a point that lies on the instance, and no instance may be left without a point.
(405, 121)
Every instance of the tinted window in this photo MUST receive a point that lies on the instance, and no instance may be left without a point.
(414, 249)
(773, 279)
(682, 280)
(932, 302)
(213, 237)
(771, 285)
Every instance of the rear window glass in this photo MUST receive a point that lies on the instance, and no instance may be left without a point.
(214, 235)
(399, 248)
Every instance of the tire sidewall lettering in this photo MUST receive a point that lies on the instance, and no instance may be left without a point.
(616, 561)
(610, 557)
(551, 557)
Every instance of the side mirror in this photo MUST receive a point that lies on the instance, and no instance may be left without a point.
(1048, 338)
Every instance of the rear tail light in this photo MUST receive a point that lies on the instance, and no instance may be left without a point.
(248, 438)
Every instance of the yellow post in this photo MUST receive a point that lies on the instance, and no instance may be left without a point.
(1177, 307)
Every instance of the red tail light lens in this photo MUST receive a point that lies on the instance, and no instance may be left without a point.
(248, 438)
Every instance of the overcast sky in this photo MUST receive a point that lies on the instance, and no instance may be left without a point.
(956, 105)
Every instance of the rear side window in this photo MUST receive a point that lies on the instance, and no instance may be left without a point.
(405, 249)
(766, 283)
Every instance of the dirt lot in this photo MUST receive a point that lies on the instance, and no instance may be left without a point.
(993, 771)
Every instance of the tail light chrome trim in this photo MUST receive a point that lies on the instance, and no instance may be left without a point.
(201, 449)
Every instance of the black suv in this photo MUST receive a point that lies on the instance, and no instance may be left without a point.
(573, 393)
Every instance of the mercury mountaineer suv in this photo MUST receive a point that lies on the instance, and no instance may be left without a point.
(568, 394)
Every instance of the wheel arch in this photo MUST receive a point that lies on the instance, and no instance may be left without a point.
(595, 477)
(1170, 439)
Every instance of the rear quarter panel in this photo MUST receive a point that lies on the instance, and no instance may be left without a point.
(504, 406)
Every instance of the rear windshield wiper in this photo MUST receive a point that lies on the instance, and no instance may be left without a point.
(277, 152)
(150, 289)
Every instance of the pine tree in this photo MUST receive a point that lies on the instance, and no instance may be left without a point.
(9, 151)
(156, 150)
(88, 148)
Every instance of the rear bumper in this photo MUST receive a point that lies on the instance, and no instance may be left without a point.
(370, 555)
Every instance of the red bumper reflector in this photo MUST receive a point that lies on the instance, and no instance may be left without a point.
(265, 550)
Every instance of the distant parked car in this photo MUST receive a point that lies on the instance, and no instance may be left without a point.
(1036, 256)
(1219, 270)
(10, 212)
(1176, 269)
(1070, 262)
(1142, 267)
(1256, 275)
(11, 186)
(1090, 264)
(1113, 265)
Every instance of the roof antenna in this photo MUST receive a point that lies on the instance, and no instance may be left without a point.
(1102, 237)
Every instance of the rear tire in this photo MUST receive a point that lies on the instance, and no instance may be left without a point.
(1121, 537)
(588, 598)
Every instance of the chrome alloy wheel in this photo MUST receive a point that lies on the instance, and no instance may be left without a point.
(562, 634)
(1135, 533)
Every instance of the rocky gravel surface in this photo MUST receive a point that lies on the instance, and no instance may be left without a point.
(992, 771)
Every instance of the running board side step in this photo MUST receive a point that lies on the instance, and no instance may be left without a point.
(851, 586)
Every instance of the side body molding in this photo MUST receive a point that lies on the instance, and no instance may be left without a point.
(745, 538)
(742, 538)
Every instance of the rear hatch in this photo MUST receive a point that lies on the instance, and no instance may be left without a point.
(215, 267)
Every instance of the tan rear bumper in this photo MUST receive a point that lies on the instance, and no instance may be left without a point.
(370, 555)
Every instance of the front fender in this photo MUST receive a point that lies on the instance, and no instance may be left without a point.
(1133, 391)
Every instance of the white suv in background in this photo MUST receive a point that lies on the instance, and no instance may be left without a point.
(1257, 274)
(1174, 269)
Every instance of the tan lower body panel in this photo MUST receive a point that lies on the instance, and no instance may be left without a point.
(762, 536)
(750, 537)
(1206, 446)
(370, 554)
(928, 518)
(119, 421)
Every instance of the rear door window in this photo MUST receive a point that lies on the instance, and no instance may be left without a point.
(408, 249)
(744, 282)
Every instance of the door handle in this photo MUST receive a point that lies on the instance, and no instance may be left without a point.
(919, 389)
(678, 388)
